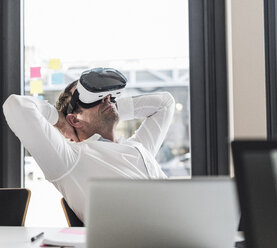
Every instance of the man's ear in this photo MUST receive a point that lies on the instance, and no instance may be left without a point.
(73, 120)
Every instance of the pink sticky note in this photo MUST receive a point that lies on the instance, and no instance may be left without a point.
(73, 231)
(35, 72)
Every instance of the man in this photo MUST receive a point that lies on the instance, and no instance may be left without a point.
(76, 140)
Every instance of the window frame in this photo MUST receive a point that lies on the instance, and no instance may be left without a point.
(11, 79)
(270, 21)
(208, 88)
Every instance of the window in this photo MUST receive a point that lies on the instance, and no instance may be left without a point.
(146, 40)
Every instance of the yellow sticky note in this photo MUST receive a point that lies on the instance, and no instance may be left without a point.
(54, 64)
(36, 87)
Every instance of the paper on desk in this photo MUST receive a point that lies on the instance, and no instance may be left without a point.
(73, 231)
(66, 237)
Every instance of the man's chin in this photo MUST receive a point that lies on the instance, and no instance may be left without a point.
(111, 118)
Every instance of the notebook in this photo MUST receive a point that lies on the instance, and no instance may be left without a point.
(66, 237)
(161, 213)
(255, 164)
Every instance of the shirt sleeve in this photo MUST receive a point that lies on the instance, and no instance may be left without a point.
(32, 121)
(157, 109)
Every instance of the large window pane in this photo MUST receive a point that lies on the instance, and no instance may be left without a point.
(147, 40)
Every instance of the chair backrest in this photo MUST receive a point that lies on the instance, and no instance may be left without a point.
(256, 177)
(13, 206)
(71, 217)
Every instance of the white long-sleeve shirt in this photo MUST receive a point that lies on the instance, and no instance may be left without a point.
(69, 165)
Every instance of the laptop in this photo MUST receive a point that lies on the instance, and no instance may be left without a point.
(255, 164)
(196, 213)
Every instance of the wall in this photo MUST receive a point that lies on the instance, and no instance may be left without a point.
(246, 68)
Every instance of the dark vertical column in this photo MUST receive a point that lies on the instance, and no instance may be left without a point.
(208, 88)
(10, 71)
(270, 10)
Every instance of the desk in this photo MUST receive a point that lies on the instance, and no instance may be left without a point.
(20, 237)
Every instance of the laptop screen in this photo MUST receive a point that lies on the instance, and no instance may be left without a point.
(255, 164)
(162, 213)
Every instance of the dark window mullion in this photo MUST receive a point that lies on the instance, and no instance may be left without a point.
(270, 10)
(10, 160)
(208, 83)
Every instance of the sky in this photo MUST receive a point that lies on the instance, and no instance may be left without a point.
(107, 29)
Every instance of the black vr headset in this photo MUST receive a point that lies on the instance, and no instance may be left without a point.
(96, 84)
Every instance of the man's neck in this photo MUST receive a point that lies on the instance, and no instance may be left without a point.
(107, 133)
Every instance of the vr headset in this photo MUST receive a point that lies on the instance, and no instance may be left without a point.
(96, 84)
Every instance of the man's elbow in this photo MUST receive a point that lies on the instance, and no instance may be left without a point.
(168, 99)
(10, 104)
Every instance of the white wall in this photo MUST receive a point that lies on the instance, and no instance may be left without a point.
(246, 68)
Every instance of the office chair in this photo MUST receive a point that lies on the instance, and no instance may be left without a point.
(14, 204)
(71, 217)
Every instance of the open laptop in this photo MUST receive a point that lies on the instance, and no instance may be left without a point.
(255, 164)
(162, 213)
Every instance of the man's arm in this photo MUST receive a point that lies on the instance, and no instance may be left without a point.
(158, 109)
(32, 121)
